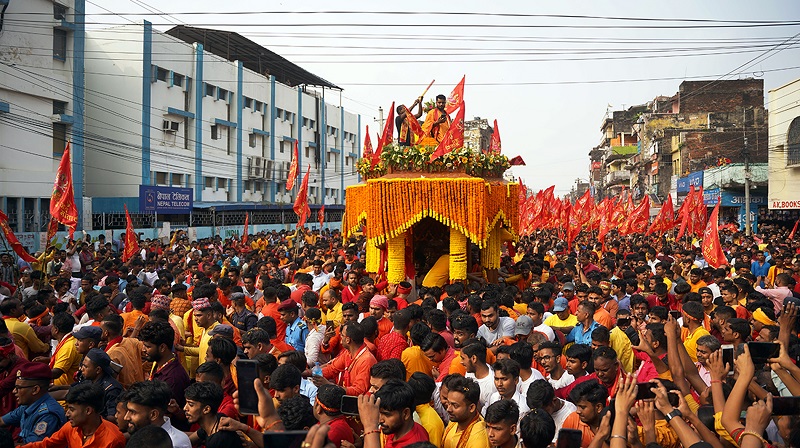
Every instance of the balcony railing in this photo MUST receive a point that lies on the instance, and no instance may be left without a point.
(615, 177)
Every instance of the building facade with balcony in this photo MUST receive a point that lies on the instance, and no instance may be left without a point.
(784, 152)
(41, 107)
(477, 134)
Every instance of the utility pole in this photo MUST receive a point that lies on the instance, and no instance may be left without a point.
(748, 225)
(380, 118)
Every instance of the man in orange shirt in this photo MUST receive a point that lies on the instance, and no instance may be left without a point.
(269, 307)
(126, 352)
(590, 399)
(129, 319)
(86, 428)
(351, 368)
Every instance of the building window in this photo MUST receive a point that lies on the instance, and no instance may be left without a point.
(211, 89)
(279, 114)
(162, 74)
(253, 140)
(59, 107)
(161, 178)
(258, 106)
(178, 79)
(59, 138)
(177, 179)
(222, 94)
(59, 44)
(215, 132)
(793, 140)
(248, 103)
(59, 12)
(222, 184)
(209, 182)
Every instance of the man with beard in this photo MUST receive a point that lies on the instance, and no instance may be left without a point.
(350, 369)
(396, 408)
(590, 399)
(501, 423)
(437, 122)
(158, 338)
(465, 328)
(147, 406)
(351, 288)
(202, 402)
(495, 327)
(435, 348)
(463, 399)
(85, 428)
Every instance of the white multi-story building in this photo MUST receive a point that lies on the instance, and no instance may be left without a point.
(784, 147)
(41, 106)
(209, 110)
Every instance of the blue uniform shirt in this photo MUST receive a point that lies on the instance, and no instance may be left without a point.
(296, 335)
(579, 336)
(38, 420)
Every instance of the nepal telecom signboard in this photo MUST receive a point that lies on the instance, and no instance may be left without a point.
(166, 200)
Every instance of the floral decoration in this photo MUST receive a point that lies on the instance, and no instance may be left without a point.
(417, 158)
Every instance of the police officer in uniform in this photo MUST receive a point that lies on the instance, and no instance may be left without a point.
(39, 415)
(96, 368)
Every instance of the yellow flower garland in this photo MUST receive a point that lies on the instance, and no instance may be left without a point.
(389, 207)
(373, 257)
(397, 259)
(458, 255)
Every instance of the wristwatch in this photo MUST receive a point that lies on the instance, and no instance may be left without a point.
(675, 413)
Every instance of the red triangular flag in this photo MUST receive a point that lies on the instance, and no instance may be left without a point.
(456, 97)
(794, 229)
(301, 208)
(712, 249)
(665, 219)
(62, 201)
(367, 153)
(454, 138)
(386, 137)
(293, 168)
(13, 241)
(321, 215)
(131, 238)
(494, 145)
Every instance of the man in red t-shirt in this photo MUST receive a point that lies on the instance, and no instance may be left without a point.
(327, 411)
(396, 410)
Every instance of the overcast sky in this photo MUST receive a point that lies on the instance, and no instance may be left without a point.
(545, 74)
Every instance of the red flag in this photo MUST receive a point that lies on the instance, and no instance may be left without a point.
(454, 138)
(12, 239)
(301, 208)
(131, 239)
(321, 216)
(51, 230)
(244, 233)
(294, 167)
(456, 97)
(516, 161)
(62, 201)
(665, 219)
(494, 145)
(700, 212)
(794, 229)
(386, 137)
(367, 154)
(582, 208)
(640, 217)
(413, 125)
(684, 212)
(712, 249)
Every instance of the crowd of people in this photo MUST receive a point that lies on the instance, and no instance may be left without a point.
(616, 344)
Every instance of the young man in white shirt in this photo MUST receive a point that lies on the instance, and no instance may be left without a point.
(495, 327)
(473, 358)
(542, 395)
(506, 381)
(549, 357)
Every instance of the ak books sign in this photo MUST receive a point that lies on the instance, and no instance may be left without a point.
(167, 200)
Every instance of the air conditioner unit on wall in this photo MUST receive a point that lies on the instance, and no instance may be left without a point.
(170, 126)
(268, 167)
(255, 167)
